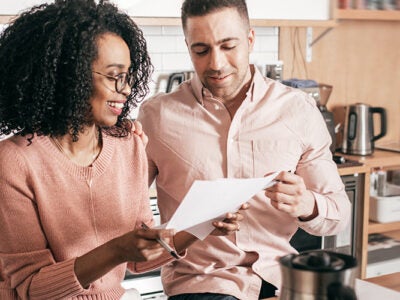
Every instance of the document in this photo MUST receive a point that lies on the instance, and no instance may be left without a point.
(209, 200)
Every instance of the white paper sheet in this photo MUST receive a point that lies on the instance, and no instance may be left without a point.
(207, 201)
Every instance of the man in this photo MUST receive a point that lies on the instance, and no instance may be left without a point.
(230, 121)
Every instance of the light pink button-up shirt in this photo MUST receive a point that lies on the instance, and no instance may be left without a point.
(192, 136)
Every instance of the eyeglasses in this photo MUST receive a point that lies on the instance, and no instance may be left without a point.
(121, 80)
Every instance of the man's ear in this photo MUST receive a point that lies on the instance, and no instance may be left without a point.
(251, 38)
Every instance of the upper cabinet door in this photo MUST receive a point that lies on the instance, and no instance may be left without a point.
(318, 10)
(267, 10)
(151, 8)
(139, 8)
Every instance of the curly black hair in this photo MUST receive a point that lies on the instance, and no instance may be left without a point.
(195, 8)
(46, 56)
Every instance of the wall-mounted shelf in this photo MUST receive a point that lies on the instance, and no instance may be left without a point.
(340, 14)
(368, 15)
(160, 21)
(4, 19)
(375, 227)
(293, 23)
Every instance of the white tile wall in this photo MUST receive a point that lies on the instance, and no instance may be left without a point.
(169, 54)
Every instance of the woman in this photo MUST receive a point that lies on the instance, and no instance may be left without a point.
(73, 177)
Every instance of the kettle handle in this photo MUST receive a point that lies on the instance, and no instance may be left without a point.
(179, 77)
(382, 112)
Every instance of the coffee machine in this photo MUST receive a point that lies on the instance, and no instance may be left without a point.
(325, 91)
(321, 94)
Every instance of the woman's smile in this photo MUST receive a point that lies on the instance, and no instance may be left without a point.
(115, 107)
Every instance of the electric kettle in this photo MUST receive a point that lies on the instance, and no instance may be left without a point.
(318, 275)
(359, 135)
(177, 78)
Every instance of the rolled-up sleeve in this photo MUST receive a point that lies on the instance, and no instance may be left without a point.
(321, 177)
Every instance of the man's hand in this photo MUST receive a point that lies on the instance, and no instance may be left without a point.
(230, 224)
(138, 129)
(290, 195)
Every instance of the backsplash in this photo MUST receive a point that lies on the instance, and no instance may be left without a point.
(167, 48)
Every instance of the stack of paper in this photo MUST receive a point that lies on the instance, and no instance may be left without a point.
(207, 201)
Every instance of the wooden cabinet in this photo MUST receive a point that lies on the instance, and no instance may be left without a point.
(359, 58)
(278, 13)
(371, 15)
(274, 13)
(379, 160)
(361, 216)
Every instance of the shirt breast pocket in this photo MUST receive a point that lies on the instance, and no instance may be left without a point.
(275, 155)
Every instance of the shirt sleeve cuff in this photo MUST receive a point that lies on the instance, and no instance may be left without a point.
(320, 201)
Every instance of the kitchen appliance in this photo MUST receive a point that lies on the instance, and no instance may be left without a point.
(325, 91)
(274, 70)
(345, 241)
(318, 275)
(321, 94)
(359, 135)
(177, 78)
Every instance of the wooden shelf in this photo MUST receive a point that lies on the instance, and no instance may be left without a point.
(4, 19)
(353, 170)
(375, 227)
(148, 21)
(152, 21)
(340, 14)
(368, 15)
(292, 23)
(379, 159)
(393, 234)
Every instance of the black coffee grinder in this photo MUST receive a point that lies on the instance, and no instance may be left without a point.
(320, 93)
(325, 91)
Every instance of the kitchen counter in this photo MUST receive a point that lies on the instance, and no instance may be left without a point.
(390, 281)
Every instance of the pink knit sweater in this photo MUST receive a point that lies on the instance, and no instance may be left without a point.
(52, 211)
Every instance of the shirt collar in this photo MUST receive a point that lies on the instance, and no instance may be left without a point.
(197, 87)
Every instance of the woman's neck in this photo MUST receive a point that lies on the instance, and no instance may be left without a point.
(84, 151)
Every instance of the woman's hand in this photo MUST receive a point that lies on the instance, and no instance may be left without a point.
(141, 245)
(138, 129)
(231, 223)
(134, 246)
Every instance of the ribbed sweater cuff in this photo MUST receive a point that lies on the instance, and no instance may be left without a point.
(57, 281)
(8, 294)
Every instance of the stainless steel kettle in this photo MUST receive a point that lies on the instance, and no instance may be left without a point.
(359, 136)
(318, 275)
